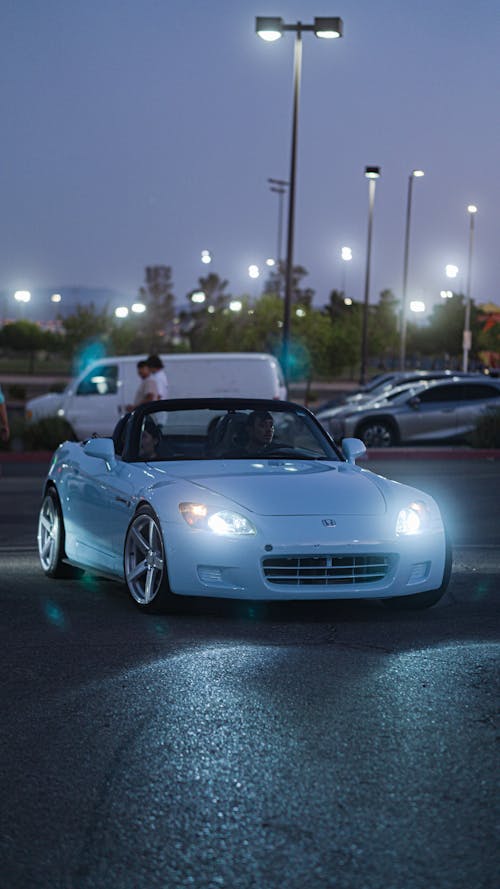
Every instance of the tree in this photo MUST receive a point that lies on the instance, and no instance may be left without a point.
(23, 336)
(159, 299)
(85, 326)
(383, 337)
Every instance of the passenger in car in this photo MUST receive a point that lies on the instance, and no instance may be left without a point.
(150, 440)
(260, 432)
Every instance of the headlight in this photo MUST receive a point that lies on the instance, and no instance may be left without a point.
(413, 519)
(219, 521)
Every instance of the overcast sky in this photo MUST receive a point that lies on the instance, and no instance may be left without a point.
(139, 132)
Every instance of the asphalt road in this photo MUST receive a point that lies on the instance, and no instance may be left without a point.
(233, 745)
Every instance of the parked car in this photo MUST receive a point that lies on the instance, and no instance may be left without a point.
(427, 411)
(188, 500)
(382, 384)
(95, 400)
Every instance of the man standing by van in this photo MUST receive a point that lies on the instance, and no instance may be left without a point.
(156, 366)
(147, 389)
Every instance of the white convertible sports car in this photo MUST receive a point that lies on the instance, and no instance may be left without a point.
(238, 498)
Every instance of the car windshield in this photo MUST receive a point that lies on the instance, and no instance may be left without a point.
(232, 433)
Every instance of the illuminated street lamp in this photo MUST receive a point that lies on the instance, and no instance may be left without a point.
(138, 308)
(198, 296)
(206, 257)
(451, 271)
(121, 312)
(56, 298)
(372, 174)
(467, 338)
(417, 306)
(270, 29)
(22, 296)
(235, 305)
(346, 256)
(415, 174)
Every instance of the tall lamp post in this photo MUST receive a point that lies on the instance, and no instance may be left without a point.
(372, 174)
(279, 187)
(467, 338)
(270, 29)
(415, 174)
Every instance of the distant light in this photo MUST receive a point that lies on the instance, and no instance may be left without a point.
(472, 208)
(346, 254)
(211, 310)
(269, 28)
(328, 28)
(446, 294)
(417, 306)
(270, 262)
(253, 271)
(22, 296)
(121, 312)
(198, 296)
(236, 305)
(206, 256)
(348, 301)
(372, 172)
(451, 271)
(56, 298)
(138, 308)
(301, 313)
(417, 173)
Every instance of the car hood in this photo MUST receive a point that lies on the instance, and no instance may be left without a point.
(44, 405)
(294, 487)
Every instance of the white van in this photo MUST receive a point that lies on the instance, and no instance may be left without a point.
(95, 400)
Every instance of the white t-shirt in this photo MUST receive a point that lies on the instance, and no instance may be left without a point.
(161, 381)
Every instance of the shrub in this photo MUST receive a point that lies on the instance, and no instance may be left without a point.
(487, 431)
(45, 435)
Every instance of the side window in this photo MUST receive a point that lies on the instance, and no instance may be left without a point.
(476, 391)
(102, 380)
(441, 393)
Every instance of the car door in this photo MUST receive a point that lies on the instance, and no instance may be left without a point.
(475, 399)
(99, 506)
(431, 414)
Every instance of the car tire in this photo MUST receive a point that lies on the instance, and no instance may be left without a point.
(145, 565)
(430, 597)
(51, 536)
(377, 433)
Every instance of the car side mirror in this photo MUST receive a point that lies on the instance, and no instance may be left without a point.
(414, 402)
(102, 448)
(353, 448)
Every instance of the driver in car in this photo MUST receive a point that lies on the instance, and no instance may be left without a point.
(260, 431)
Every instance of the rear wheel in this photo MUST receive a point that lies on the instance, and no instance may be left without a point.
(51, 538)
(430, 597)
(145, 565)
(377, 434)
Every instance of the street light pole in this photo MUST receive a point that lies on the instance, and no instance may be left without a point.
(402, 352)
(372, 174)
(467, 338)
(270, 29)
(279, 187)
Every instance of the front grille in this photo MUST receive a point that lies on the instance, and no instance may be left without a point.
(325, 570)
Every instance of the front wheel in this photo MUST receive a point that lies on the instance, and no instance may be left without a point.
(50, 538)
(145, 566)
(377, 434)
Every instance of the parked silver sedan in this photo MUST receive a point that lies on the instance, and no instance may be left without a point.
(433, 411)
